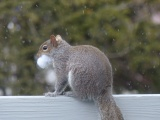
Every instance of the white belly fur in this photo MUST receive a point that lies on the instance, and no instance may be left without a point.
(70, 77)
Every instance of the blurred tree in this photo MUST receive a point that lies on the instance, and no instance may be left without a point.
(127, 31)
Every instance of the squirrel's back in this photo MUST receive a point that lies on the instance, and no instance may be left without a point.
(89, 69)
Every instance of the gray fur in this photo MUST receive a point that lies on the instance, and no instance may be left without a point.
(89, 74)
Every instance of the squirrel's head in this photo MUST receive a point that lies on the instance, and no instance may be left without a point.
(49, 45)
(45, 49)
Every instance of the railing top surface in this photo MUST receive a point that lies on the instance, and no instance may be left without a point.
(133, 107)
(117, 96)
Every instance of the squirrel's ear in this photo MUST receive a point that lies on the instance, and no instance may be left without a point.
(58, 38)
(53, 40)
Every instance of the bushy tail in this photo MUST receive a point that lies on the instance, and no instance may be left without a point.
(108, 108)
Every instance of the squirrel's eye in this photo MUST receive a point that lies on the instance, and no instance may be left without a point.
(45, 47)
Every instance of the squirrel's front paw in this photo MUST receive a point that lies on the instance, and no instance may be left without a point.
(50, 94)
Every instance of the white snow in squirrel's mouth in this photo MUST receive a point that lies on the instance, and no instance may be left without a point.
(44, 61)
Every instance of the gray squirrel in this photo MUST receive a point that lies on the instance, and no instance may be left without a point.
(85, 69)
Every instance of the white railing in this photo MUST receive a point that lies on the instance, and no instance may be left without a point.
(133, 107)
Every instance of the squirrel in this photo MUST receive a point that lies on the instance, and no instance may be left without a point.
(85, 69)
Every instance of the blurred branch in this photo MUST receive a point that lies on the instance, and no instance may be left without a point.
(121, 53)
(33, 29)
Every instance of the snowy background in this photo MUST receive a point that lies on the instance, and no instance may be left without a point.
(127, 31)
